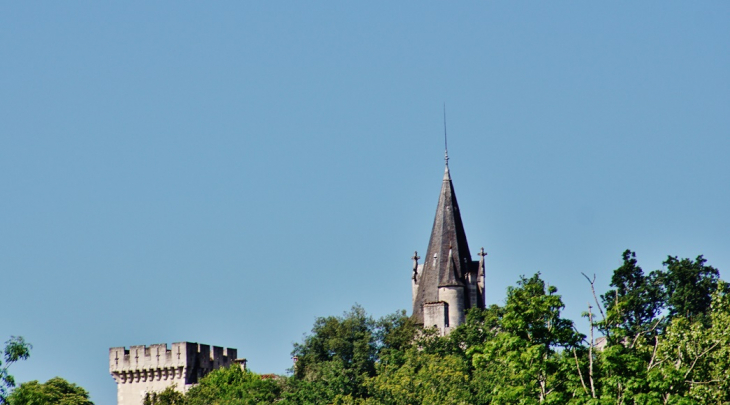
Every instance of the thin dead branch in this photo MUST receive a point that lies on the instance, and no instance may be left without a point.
(633, 343)
(580, 374)
(595, 297)
(698, 357)
(653, 354)
(590, 351)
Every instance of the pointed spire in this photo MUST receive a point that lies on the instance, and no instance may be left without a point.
(451, 276)
(447, 259)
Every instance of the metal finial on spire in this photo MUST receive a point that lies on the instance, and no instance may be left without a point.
(446, 144)
(415, 266)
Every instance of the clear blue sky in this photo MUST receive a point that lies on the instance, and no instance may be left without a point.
(225, 173)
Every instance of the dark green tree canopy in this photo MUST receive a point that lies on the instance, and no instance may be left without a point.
(688, 286)
(341, 353)
(636, 300)
(55, 391)
(343, 347)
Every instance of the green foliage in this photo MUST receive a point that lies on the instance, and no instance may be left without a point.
(688, 286)
(335, 361)
(692, 359)
(233, 386)
(622, 371)
(394, 334)
(423, 378)
(648, 361)
(55, 391)
(338, 356)
(16, 348)
(521, 363)
(532, 313)
(634, 303)
(170, 396)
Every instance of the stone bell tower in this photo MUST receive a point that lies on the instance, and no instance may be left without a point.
(448, 282)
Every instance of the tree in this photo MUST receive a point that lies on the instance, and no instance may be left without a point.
(712, 381)
(634, 303)
(169, 396)
(688, 286)
(674, 359)
(55, 391)
(334, 362)
(621, 371)
(234, 386)
(16, 348)
(532, 313)
(692, 360)
(423, 378)
(394, 335)
(338, 356)
(523, 362)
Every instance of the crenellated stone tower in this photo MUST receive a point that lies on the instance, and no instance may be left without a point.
(145, 369)
(448, 282)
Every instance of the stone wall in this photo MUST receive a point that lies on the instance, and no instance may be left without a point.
(436, 314)
(454, 297)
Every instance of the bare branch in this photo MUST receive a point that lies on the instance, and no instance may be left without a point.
(633, 343)
(703, 382)
(590, 351)
(698, 357)
(580, 374)
(595, 297)
(653, 354)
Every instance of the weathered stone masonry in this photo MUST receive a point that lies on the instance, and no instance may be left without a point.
(142, 369)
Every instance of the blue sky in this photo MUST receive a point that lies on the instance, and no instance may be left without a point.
(225, 173)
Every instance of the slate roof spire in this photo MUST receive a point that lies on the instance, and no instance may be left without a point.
(447, 259)
(450, 277)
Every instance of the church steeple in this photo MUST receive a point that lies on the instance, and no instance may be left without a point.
(448, 261)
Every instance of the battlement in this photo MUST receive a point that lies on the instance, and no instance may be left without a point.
(182, 354)
(143, 369)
